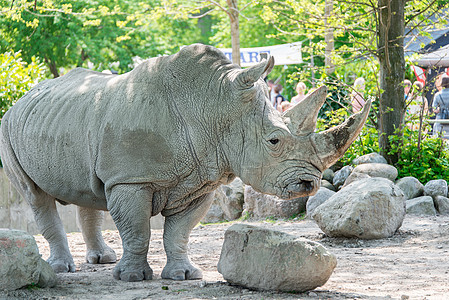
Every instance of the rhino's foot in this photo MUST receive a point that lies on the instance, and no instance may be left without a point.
(103, 256)
(127, 270)
(181, 270)
(62, 265)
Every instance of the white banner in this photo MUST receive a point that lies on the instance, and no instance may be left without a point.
(285, 54)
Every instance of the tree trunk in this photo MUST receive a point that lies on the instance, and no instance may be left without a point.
(235, 33)
(392, 69)
(328, 37)
(52, 66)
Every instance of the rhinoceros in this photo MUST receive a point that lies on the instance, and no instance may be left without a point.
(159, 139)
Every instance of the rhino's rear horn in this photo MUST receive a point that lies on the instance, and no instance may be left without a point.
(302, 117)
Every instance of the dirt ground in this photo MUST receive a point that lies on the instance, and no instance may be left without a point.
(413, 264)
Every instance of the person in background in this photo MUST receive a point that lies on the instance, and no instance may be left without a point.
(300, 90)
(438, 81)
(271, 87)
(279, 99)
(441, 104)
(417, 106)
(286, 106)
(407, 87)
(358, 90)
(417, 101)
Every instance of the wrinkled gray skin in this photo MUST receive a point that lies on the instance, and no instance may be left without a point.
(159, 139)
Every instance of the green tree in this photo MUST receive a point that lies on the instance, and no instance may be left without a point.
(101, 32)
(361, 30)
(16, 78)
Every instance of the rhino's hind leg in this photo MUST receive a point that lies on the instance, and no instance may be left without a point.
(177, 230)
(130, 206)
(91, 221)
(50, 225)
(42, 204)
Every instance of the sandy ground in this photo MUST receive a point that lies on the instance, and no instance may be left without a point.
(413, 264)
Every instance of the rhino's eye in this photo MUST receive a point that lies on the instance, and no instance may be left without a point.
(274, 141)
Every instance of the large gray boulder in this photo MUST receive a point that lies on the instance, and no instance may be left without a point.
(377, 170)
(341, 175)
(260, 205)
(319, 198)
(422, 206)
(21, 263)
(369, 159)
(437, 187)
(371, 208)
(411, 187)
(264, 259)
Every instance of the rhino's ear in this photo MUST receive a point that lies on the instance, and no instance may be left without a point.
(246, 78)
(301, 118)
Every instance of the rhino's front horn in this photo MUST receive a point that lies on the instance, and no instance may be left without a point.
(304, 114)
(332, 143)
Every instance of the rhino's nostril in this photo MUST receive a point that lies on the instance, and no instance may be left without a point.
(308, 185)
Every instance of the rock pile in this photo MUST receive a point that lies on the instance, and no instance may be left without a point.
(236, 199)
(370, 203)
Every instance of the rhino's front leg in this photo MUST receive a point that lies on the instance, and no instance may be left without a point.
(130, 207)
(177, 230)
(91, 221)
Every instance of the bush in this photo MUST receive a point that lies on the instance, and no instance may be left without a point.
(16, 78)
(427, 161)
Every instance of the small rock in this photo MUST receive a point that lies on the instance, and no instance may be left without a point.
(316, 200)
(378, 170)
(262, 205)
(328, 175)
(437, 187)
(312, 294)
(369, 159)
(355, 176)
(423, 206)
(328, 185)
(442, 205)
(341, 175)
(411, 187)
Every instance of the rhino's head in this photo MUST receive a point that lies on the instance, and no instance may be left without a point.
(281, 154)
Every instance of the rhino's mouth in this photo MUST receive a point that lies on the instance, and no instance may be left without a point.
(302, 187)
